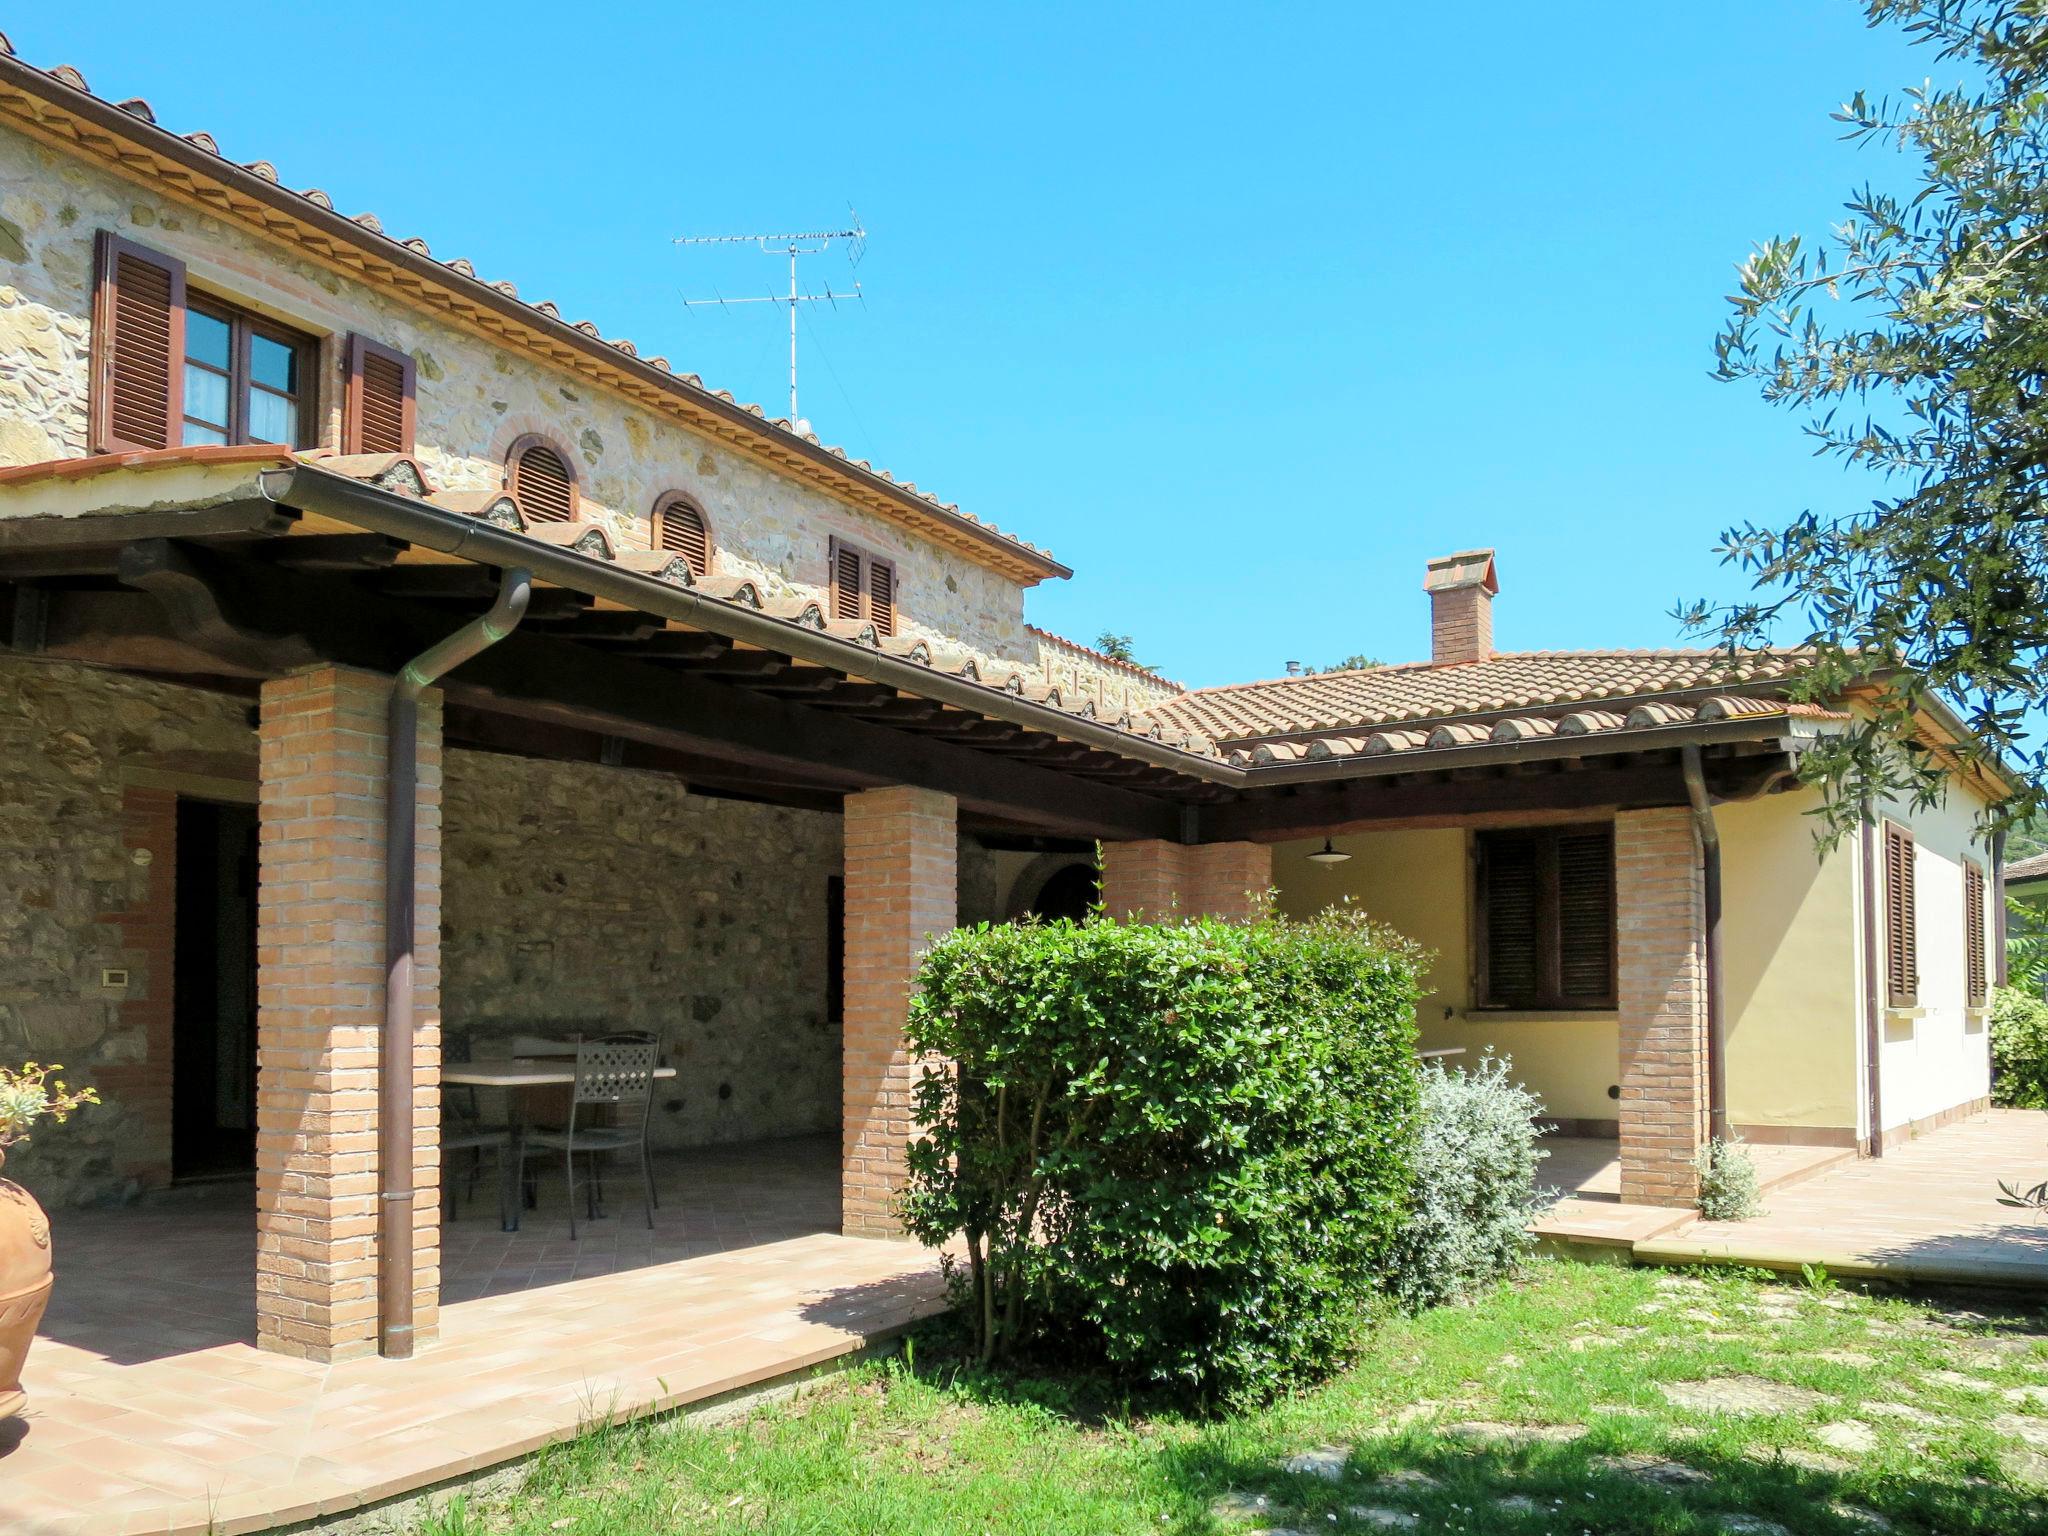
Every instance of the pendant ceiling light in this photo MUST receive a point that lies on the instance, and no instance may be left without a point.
(1327, 854)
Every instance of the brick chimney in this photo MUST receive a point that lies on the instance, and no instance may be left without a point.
(1461, 589)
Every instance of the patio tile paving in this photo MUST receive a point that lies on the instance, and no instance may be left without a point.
(136, 1426)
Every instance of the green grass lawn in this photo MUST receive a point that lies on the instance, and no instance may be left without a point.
(1582, 1399)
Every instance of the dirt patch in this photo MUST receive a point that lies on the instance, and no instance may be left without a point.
(1741, 1395)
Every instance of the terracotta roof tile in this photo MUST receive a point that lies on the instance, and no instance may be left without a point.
(1422, 692)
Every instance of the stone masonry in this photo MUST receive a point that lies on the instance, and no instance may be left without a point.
(1663, 1005)
(320, 1001)
(587, 899)
(901, 891)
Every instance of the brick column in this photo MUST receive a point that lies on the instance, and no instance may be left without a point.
(1663, 998)
(901, 891)
(320, 1002)
(1161, 881)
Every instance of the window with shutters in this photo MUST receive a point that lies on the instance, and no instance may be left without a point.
(1901, 919)
(680, 525)
(244, 378)
(538, 473)
(1545, 918)
(863, 587)
(1976, 955)
(377, 404)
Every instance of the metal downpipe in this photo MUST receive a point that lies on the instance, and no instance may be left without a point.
(1710, 879)
(395, 1194)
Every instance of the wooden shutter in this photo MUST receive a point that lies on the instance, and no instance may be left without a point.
(1977, 972)
(1585, 915)
(137, 379)
(542, 481)
(1510, 908)
(377, 405)
(1901, 935)
(680, 527)
(882, 596)
(846, 582)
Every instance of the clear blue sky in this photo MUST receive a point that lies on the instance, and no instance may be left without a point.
(1243, 313)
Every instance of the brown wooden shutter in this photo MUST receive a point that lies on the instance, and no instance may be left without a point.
(1585, 915)
(1901, 936)
(846, 582)
(1977, 971)
(137, 381)
(377, 404)
(882, 596)
(680, 527)
(542, 482)
(1510, 902)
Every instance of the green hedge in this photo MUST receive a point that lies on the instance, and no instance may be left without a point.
(2019, 1049)
(1183, 1150)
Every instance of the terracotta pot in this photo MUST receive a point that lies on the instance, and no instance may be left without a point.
(24, 1285)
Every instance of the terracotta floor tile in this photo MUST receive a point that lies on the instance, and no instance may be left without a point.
(152, 1411)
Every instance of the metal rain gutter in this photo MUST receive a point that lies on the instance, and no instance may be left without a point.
(395, 1197)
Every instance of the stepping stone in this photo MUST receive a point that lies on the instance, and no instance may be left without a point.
(1407, 1480)
(1516, 1504)
(2028, 1396)
(1701, 1315)
(1646, 1468)
(1238, 1505)
(1904, 1411)
(1580, 1343)
(1959, 1381)
(1856, 1514)
(1325, 1461)
(2033, 1431)
(1686, 1284)
(1845, 1357)
(2027, 1467)
(1386, 1519)
(1518, 1434)
(1814, 1461)
(1851, 1435)
(1752, 1525)
(1741, 1394)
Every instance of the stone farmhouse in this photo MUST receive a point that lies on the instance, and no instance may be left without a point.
(746, 721)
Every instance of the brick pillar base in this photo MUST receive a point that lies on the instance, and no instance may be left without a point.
(901, 891)
(1160, 881)
(320, 1002)
(1663, 998)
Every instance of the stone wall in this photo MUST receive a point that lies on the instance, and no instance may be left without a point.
(474, 398)
(579, 897)
(86, 855)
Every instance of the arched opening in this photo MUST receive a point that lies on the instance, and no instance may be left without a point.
(1070, 892)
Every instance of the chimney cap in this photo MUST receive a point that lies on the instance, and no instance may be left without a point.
(1467, 568)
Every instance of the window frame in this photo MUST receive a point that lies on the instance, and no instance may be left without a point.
(864, 603)
(667, 502)
(244, 326)
(1548, 995)
(518, 450)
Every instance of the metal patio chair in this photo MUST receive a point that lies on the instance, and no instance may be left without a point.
(618, 1074)
(464, 1129)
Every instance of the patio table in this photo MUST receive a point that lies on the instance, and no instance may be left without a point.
(513, 1073)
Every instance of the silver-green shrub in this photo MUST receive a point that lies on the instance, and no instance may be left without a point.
(1475, 1191)
(1728, 1183)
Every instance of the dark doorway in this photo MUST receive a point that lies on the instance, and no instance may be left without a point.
(1069, 893)
(213, 1047)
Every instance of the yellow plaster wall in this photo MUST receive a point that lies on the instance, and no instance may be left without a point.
(1790, 977)
(1418, 882)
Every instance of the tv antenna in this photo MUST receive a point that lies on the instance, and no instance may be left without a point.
(813, 242)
